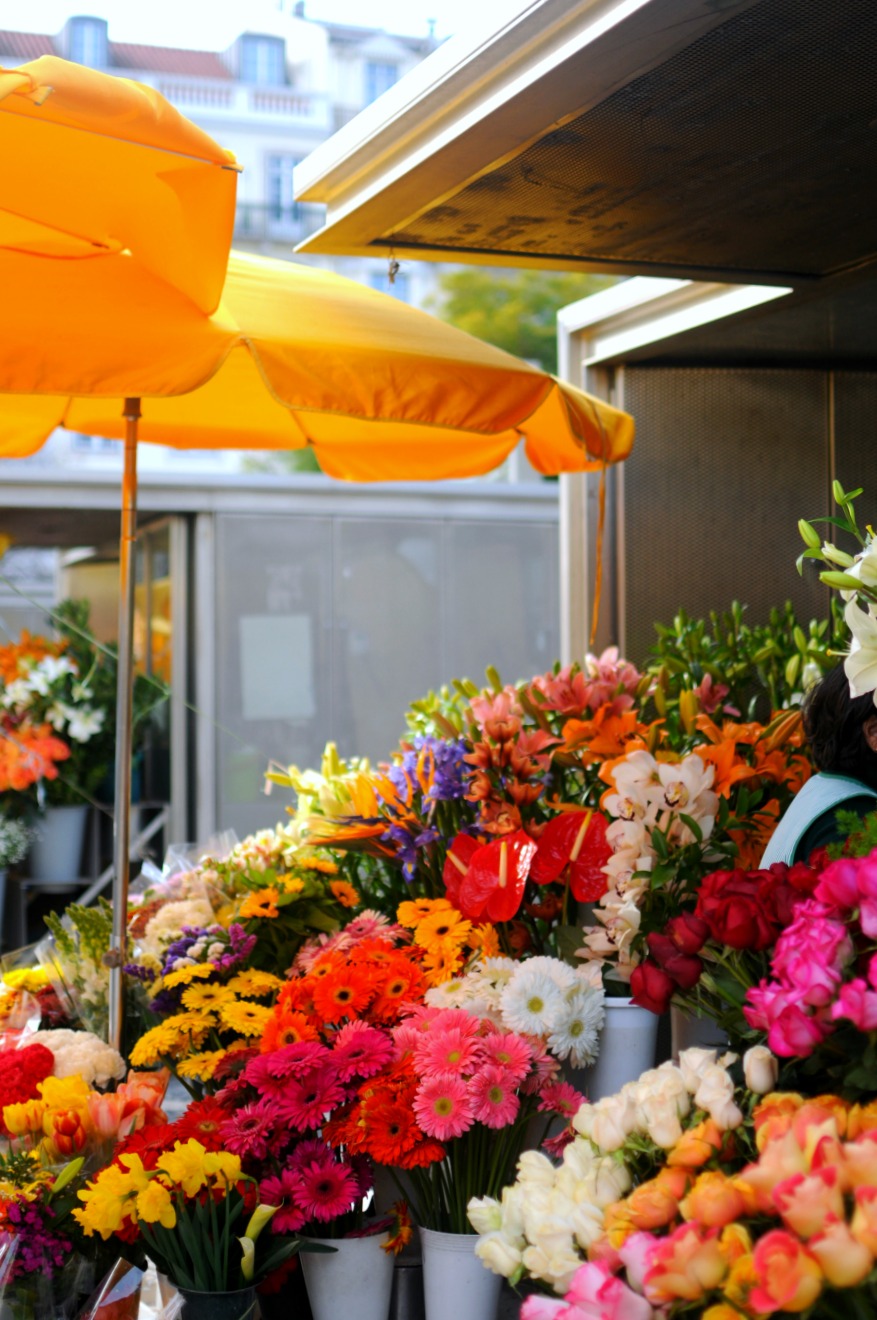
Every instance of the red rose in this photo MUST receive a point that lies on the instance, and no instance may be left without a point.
(729, 903)
(651, 987)
(688, 932)
(683, 968)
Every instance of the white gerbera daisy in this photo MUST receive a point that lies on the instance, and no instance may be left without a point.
(576, 1035)
(531, 1003)
(560, 973)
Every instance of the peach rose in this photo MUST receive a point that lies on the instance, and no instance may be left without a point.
(741, 1280)
(860, 1161)
(652, 1205)
(844, 1261)
(714, 1200)
(789, 1277)
(860, 1119)
(696, 1146)
(864, 1222)
(734, 1243)
(780, 1159)
(685, 1265)
(808, 1201)
(773, 1115)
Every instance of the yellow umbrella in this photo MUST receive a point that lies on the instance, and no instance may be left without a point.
(292, 357)
(104, 171)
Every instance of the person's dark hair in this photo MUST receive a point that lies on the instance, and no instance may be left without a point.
(834, 724)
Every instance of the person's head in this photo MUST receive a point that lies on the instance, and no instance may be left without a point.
(842, 729)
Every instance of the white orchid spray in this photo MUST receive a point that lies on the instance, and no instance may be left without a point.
(855, 577)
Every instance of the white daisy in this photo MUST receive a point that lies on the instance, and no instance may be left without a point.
(531, 1003)
(576, 1035)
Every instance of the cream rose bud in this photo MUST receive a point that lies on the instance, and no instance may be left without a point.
(587, 1224)
(614, 1118)
(583, 1120)
(556, 1268)
(579, 1158)
(607, 1182)
(485, 1214)
(498, 1253)
(715, 1094)
(534, 1167)
(661, 1121)
(761, 1069)
(693, 1063)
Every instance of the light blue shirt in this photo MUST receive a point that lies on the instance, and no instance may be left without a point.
(821, 793)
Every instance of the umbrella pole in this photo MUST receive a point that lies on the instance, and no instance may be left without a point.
(124, 711)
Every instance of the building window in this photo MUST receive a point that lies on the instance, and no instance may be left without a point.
(282, 207)
(263, 61)
(378, 78)
(400, 288)
(87, 42)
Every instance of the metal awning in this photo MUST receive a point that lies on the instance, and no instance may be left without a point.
(723, 140)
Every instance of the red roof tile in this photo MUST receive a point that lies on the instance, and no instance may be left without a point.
(25, 46)
(166, 59)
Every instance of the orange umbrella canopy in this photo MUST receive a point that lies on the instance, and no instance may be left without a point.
(103, 171)
(293, 356)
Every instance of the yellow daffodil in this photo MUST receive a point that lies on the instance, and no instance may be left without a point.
(155, 1206)
(222, 1167)
(184, 1166)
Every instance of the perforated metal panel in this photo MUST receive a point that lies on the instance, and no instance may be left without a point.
(856, 436)
(750, 150)
(726, 462)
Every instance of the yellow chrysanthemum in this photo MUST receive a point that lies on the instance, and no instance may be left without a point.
(346, 895)
(200, 1067)
(290, 884)
(254, 984)
(442, 930)
(263, 903)
(29, 979)
(206, 996)
(410, 914)
(155, 1044)
(185, 975)
(249, 1019)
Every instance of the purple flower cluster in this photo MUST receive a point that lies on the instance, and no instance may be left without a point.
(430, 771)
(37, 1249)
(225, 948)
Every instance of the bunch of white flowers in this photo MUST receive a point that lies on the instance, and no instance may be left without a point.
(649, 794)
(166, 925)
(544, 1223)
(82, 1053)
(541, 997)
(79, 722)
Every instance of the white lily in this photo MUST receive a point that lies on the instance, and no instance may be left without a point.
(860, 664)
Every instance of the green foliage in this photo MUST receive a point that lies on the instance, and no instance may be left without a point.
(514, 310)
(766, 667)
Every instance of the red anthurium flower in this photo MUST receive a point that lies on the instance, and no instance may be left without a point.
(457, 860)
(493, 886)
(574, 839)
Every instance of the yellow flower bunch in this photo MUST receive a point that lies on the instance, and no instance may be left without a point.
(128, 1191)
(447, 938)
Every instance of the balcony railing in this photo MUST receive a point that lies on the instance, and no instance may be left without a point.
(243, 100)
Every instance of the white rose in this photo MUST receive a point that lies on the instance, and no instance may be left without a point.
(608, 1182)
(692, 1065)
(715, 1094)
(485, 1214)
(587, 1224)
(761, 1069)
(498, 1253)
(661, 1120)
(556, 1269)
(534, 1167)
(512, 1202)
(614, 1118)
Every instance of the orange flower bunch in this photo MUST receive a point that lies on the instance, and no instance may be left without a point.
(29, 753)
(381, 1123)
(367, 983)
(27, 651)
(448, 941)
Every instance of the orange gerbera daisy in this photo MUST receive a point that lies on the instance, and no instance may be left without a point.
(441, 929)
(442, 964)
(486, 939)
(263, 903)
(344, 892)
(286, 1028)
(391, 1131)
(412, 913)
(344, 994)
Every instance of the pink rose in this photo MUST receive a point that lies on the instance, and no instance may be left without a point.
(838, 886)
(547, 1308)
(600, 1295)
(794, 1035)
(764, 1003)
(857, 1003)
(810, 956)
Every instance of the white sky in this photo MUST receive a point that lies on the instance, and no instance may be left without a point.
(212, 24)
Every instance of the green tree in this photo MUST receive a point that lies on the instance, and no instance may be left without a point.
(515, 310)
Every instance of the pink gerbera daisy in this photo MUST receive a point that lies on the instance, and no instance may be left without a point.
(443, 1107)
(361, 1051)
(545, 1067)
(509, 1051)
(306, 1101)
(447, 1051)
(495, 1101)
(269, 1072)
(326, 1189)
(450, 1019)
(249, 1131)
(284, 1191)
(560, 1098)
